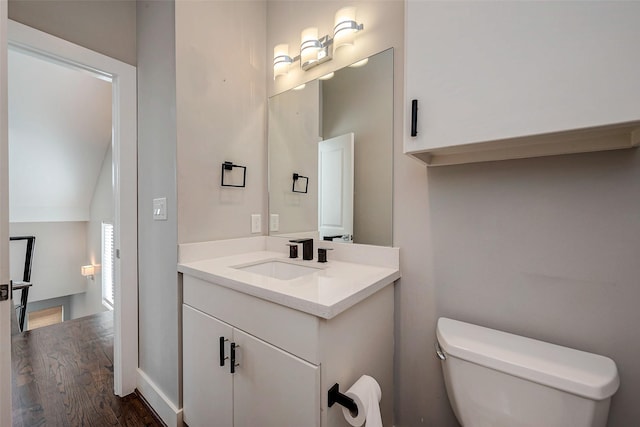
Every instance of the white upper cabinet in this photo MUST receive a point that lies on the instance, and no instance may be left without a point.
(501, 80)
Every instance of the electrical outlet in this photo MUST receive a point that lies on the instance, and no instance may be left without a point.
(274, 222)
(256, 223)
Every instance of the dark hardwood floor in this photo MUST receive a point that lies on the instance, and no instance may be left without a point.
(63, 376)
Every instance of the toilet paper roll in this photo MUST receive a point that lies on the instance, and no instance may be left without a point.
(367, 394)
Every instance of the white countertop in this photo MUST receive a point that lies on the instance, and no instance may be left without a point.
(335, 287)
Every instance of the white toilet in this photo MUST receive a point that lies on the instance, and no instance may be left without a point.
(496, 379)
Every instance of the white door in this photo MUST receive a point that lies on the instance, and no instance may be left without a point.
(335, 186)
(5, 305)
(207, 386)
(272, 387)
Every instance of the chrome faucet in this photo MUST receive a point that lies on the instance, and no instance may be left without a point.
(307, 248)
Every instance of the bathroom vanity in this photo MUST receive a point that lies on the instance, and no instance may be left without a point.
(265, 337)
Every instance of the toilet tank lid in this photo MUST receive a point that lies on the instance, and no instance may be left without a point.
(584, 374)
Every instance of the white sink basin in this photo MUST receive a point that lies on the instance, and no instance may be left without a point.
(278, 269)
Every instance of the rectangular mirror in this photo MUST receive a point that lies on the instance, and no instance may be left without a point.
(320, 184)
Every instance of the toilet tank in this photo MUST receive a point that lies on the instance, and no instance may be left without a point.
(497, 379)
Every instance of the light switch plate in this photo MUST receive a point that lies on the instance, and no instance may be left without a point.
(256, 223)
(160, 209)
(274, 222)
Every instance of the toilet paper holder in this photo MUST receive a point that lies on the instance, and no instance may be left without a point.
(335, 396)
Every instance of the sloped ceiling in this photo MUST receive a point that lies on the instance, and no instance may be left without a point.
(59, 132)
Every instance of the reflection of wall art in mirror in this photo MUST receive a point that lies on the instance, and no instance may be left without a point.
(354, 100)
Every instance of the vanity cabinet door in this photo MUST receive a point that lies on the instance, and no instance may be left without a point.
(488, 71)
(207, 386)
(273, 387)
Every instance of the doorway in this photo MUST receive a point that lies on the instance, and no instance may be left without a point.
(122, 78)
(60, 183)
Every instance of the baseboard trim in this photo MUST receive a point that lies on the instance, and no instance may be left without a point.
(159, 402)
(152, 411)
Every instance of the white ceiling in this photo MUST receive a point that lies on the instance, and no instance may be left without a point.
(59, 133)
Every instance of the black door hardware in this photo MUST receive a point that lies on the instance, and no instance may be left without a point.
(232, 358)
(222, 357)
(414, 117)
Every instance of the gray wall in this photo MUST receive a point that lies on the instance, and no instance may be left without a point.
(106, 26)
(360, 100)
(294, 131)
(546, 248)
(221, 110)
(201, 101)
(158, 298)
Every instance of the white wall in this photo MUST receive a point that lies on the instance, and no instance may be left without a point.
(101, 210)
(159, 299)
(59, 130)
(60, 251)
(106, 26)
(221, 111)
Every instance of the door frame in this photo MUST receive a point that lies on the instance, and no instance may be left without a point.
(7, 305)
(124, 127)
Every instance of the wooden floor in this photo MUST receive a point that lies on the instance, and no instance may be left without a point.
(63, 376)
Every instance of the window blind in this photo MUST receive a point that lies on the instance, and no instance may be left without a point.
(108, 265)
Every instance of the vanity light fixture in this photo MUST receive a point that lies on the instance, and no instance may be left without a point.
(315, 50)
(309, 46)
(302, 86)
(345, 27)
(88, 271)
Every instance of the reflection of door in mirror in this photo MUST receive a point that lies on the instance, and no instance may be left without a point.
(335, 188)
(358, 100)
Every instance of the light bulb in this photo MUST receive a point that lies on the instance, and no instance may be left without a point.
(345, 27)
(281, 60)
(360, 63)
(309, 46)
(326, 76)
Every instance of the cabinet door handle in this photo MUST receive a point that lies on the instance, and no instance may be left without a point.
(232, 353)
(222, 358)
(414, 117)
